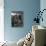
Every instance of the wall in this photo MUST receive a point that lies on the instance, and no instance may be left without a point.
(29, 7)
(1, 21)
(43, 6)
(1, 24)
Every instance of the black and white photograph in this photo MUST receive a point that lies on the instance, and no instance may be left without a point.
(17, 18)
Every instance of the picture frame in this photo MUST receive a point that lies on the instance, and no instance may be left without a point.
(17, 18)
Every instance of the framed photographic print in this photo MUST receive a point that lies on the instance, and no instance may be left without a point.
(17, 18)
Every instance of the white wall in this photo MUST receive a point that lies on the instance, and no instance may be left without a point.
(1, 20)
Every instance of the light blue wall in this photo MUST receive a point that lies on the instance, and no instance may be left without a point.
(29, 7)
(43, 6)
